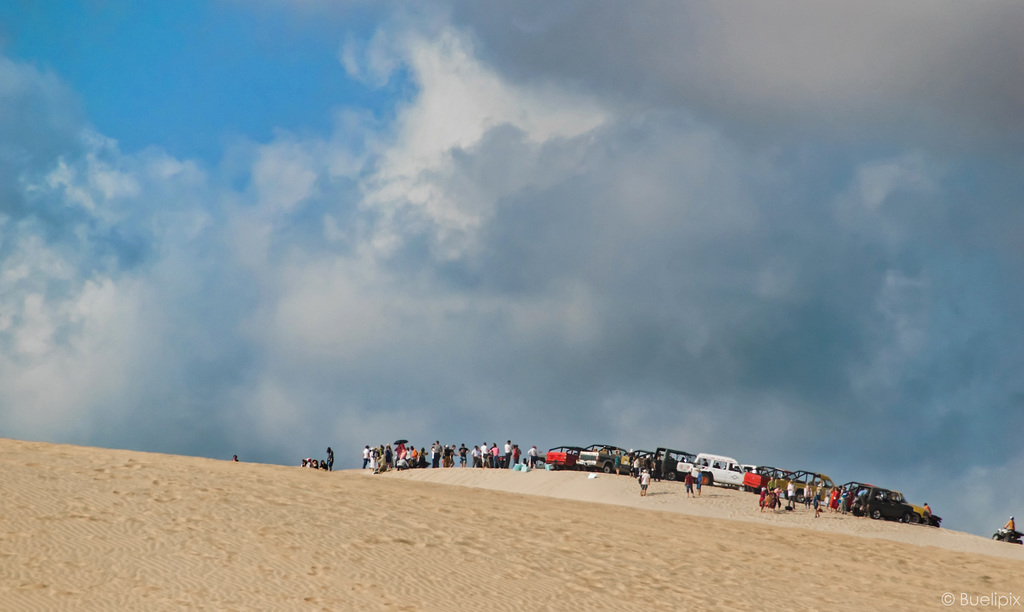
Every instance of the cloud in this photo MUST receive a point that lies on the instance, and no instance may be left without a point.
(876, 70)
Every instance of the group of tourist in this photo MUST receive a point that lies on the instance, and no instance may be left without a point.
(405, 456)
(326, 464)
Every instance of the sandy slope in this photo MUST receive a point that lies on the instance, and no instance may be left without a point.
(84, 528)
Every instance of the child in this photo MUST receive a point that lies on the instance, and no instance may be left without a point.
(817, 507)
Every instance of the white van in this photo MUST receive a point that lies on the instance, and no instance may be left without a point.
(727, 471)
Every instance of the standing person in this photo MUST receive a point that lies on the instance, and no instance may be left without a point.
(515, 455)
(697, 477)
(645, 480)
(475, 453)
(389, 457)
(688, 480)
(764, 497)
(790, 494)
(463, 451)
(496, 456)
(366, 455)
(817, 507)
(507, 462)
(485, 455)
(532, 454)
(330, 459)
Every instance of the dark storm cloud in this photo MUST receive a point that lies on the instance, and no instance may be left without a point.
(721, 280)
(779, 70)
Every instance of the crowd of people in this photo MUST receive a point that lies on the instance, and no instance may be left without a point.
(404, 456)
(326, 464)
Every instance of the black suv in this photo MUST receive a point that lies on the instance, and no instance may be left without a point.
(883, 503)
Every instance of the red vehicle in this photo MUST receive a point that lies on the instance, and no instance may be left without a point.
(563, 457)
(760, 476)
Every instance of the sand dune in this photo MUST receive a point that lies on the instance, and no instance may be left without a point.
(86, 528)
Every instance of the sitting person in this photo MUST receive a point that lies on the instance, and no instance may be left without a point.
(402, 464)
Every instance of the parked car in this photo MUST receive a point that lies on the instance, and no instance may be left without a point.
(563, 457)
(781, 480)
(855, 491)
(811, 484)
(603, 457)
(882, 503)
(805, 484)
(760, 476)
(725, 471)
(675, 463)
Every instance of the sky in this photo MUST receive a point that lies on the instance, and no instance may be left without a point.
(787, 234)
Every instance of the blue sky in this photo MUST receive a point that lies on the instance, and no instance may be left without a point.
(192, 76)
(789, 235)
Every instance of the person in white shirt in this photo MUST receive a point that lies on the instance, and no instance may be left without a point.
(532, 454)
(366, 456)
(645, 480)
(508, 455)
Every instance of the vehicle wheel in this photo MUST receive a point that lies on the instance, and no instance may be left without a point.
(709, 478)
(906, 517)
(995, 536)
(671, 475)
(876, 514)
(915, 518)
(608, 468)
(800, 497)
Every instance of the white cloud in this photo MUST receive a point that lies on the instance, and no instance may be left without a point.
(284, 175)
(459, 100)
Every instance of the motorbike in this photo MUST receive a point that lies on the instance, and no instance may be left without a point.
(1007, 535)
